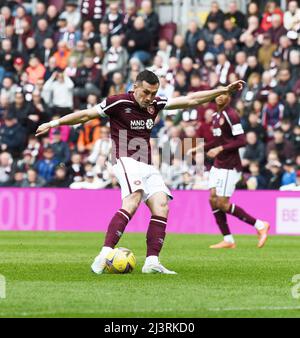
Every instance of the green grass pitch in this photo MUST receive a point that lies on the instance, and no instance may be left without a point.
(48, 275)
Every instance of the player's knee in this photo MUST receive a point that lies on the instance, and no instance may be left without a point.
(161, 208)
(132, 202)
(213, 202)
(222, 205)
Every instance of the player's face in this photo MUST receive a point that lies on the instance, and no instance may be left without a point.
(144, 93)
(222, 100)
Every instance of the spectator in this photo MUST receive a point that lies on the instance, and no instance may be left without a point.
(289, 173)
(98, 54)
(255, 150)
(6, 167)
(52, 16)
(179, 50)
(215, 13)
(60, 148)
(284, 83)
(88, 32)
(272, 113)
(45, 167)
(274, 175)
(276, 30)
(71, 13)
(115, 59)
(265, 51)
(33, 180)
(223, 68)
(42, 32)
(9, 88)
(71, 36)
(256, 181)
(114, 19)
(46, 51)
(89, 134)
(266, 86)
(283, 147)
(217, 47)
(80, 51)
(166, 89)
(20, 109)
(270, 9)
(151, 20)
(76, 169)
(17, 179)
(241, 64)
(88, 79)
(230, 30)
(62, 55)
(7, 56)
(102, 146)
(60, 88)
(129, 17)
(103, 36)
(138, 41)
(253, 124)
(201, 49)
(291, 19)
(192, 35)
(210, 31)
(36, 70)
(236, 16)
(26, 162)
(117, 87)
(60, 180)
(251, 45)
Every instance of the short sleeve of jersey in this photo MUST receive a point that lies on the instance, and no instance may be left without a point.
(234, 121)
(104, 108)
(161, 102)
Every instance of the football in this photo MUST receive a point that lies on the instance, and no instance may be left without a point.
(120, 260)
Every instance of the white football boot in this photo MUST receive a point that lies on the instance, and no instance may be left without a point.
(152, 265)
(99, 263)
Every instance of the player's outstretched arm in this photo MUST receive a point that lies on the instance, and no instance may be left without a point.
(197, 98)
(81, 116)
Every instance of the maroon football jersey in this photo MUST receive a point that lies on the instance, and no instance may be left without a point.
(226, 128)
(130, 125)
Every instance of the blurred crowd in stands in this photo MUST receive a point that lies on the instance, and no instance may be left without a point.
(55, 61)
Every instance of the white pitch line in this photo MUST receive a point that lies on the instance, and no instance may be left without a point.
(259, 308)
(218, 309)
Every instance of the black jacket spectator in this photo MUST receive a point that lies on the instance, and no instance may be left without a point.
(142, 40)
(12, 136)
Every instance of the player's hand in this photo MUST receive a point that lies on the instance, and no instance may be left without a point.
(212, 153)
(43, 129)
(236, 86)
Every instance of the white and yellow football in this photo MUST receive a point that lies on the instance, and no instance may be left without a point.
(120, 260)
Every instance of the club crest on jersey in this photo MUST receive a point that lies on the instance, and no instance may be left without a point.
(151, 110)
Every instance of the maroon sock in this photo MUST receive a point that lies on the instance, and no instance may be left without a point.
(221, 220)
(241, 214)
(116, 228)
(155, 235)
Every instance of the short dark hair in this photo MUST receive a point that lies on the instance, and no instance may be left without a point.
(148, 76)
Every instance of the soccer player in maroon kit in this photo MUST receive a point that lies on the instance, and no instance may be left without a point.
(226, 172)
(132, 117)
